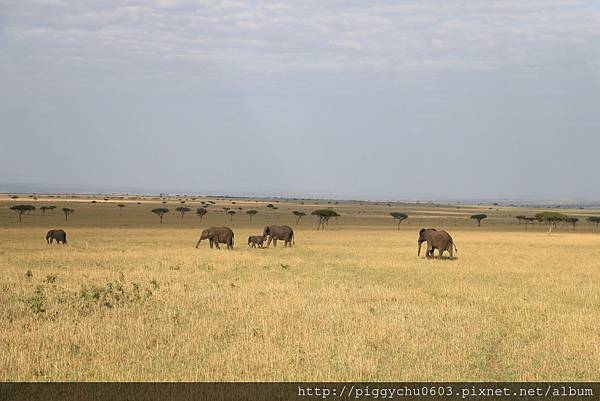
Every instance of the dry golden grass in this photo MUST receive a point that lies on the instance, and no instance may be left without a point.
(351, 303)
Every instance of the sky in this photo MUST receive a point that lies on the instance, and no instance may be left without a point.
(349, 99)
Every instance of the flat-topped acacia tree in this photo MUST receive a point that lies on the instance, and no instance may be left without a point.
(479, 217)
(572, 220)
(160, 211)
(595, 220)
(298, 215)
(121, 206)
(21, 209)
(529, 220)
(67, 211)
(200, 212)
(251, 213)
(324, 215)
(400, 217)
(231, 213)
(44, 209)
(550, 218)
(183, 210)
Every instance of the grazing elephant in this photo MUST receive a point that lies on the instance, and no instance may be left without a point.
(440, 240)
(216, 235)
(284, 233)
(256, 240)
(58, 235)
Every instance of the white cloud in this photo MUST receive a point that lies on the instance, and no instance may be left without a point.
(309, 36)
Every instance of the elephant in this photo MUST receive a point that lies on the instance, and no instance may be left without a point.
(440, 240)
(256, 240)
(58, 235)
(284, 233)
(216, 235)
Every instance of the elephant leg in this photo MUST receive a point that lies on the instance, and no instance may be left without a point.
(269, 241)
(275, 242)
(441, 252)
(450, 250)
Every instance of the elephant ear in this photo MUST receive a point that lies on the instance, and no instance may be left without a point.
(422, 231)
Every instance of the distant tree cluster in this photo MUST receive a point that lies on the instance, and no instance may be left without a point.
(595, 220)
(550, 218)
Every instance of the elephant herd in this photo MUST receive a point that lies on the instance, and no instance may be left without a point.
(224, 235)
(436, 240)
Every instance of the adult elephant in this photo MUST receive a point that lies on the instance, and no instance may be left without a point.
(284, 233)
(58, 235)
(216, 235)
(440, 240)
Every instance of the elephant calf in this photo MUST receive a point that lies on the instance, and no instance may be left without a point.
(256, 241)
(58, 235)
(440, 240)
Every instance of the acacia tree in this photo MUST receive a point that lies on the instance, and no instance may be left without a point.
(183, 210)
(595, 220)
(201, 212)
(529, 220)
(121, 206)
(550, 218)
(251, 213)
(572, 220)
(21, 209)
(51, 208)
(399, 216)
(231, 213)
(298, 215)
(160, 211)
(478, 217)
(43, 209)
(67, 211)
(521, 218)
(324, 215)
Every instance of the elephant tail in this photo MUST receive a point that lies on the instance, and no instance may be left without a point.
(293, 240)
(454, 245)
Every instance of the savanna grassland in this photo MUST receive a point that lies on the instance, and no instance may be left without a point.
(131, 299)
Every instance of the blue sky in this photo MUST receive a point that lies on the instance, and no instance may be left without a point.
(375, 99)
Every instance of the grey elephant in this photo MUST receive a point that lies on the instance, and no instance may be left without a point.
(440, 240)
(216, 235)
(58, 235)
(256, 241)
(284, 233)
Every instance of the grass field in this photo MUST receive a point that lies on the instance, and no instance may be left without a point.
(131, 299)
